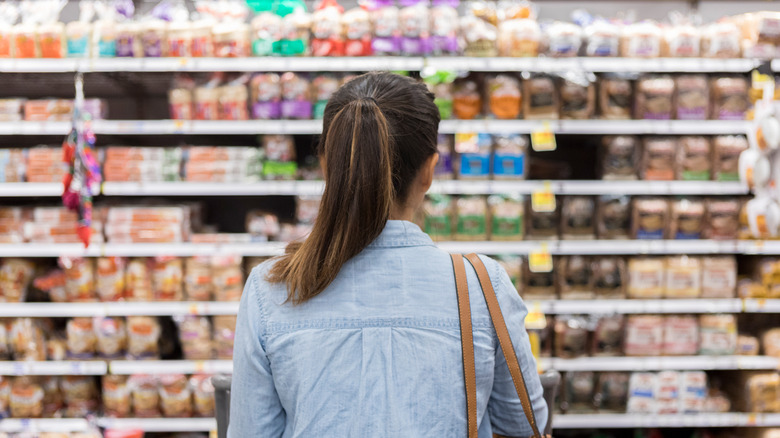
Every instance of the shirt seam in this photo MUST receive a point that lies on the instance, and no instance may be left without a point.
(275, 328)
(262, 311)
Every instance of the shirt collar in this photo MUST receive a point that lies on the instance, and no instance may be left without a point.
(399, 234)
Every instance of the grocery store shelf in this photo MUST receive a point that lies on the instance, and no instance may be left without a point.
(625, 421)
(125, 308)
(629, 306)
(264, 188)
(10, 190)
(53, 368)
(586, 187)
(54, 425)
(48, 250)
(127, 367)
(371, 63)
(160, 424)
(679, 363)
(659, 127)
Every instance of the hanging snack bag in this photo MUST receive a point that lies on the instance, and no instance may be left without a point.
(620, 157)
(143, 334)
(644, 335)
(202, 395)
(571, 336)
(658, 159)
(615, 98)
(506, 217)
(474, 153)
(145, 395)
(356, 24)
(415, 24)
(563, 39)
(116, 396)
(607, 339)
(726, 151)
(646, 278)
(444, 27)
(687, 219)
(683, 277)
(722, 222)
(718, 277)
(466, 99)
(81, 338)
(175, 396)
(138, 280)
(296, 97)
(438, 216)
(540, 98)
(111, 278)
(692, 99)
(111, 336)
(650, 218)
(324, 86)
(575, 278)
(327, 37)
(729, 96)
(578, 98)
(718, 334)
(504, 96)
(471, 218)
(266, 31)
(695, 160)
(579, 215)
(641, 40)
(654, 95)
(509, 157)
(610, 277)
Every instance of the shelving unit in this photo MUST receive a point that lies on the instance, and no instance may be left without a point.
(54, 425)
(625, 421)
(53, 368)
(679, 363)
(160, 424)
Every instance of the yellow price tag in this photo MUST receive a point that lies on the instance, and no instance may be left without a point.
(540, 260)
(200, 366)
(543, 200)
(535, 320)
(543, 140)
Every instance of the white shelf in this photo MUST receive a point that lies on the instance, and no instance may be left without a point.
(53, 368)
(679, 363)
(596, 65)
(158, 308)
(160, 424)
(624, 127)
(631, 306)
(127, 367)
(264, 188)
(54, 425)
(627, 421)
(10, 190)
(48, 250)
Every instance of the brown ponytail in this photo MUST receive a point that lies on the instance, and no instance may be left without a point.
(378, 130)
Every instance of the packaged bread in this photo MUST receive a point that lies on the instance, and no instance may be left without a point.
(719, 277)
(513, 265)
(167, 275)
(26, 399)
(620, 157)
(770, 342)
(687, 218)
(5, 396)
(81, 338)
(542, 225)
(195, 336)
(27, 340)
(15, 277)
(80, 394)
(681, 335)
(683, 277)
(202, 395)
(571, 336)
(474, 155)
(506, 217)
(607, 339)
(654, 96)
(729, 97)
(681, 40)
(718, 334)
(145, 395)
(613, 217)
(180, 103)
(57, 347)
(323, 87)
(695, 158)
(509, 156)
(233, 101)
(79, 278)
(747, 345)
(198, 283)
(641, 40)
(610, 277)
(540, 98)
(480, 38)
(538, 285)
(445, 167)
(110, 279)
(471, 218)
(642, 389)
(504, 96)
(575, 278)
(138, 280)
(611, 392)
(644, 335)
(266, 96)
(578, 389)
(175, 396)
(224, 336)
(519, 37)
(757, 391)
(111, 337)
(658, 158)
(143, 334)
(5, 341)
(726, 151)
(615, 98)
(721, 40)
(441, 87)
(646, 278)
(207, 102)
(578, 98)
(296, 96)
(438, 216)
(466, 98)
(692, 97)
(578, 218)
(53, 401)
(650, 216)
(602, 38)
(116, 396)
(563, 39)
(228, 277)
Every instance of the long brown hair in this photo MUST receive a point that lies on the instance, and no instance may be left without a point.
(378, 130)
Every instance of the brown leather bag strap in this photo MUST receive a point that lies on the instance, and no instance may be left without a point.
(467, 343)
(504, 340)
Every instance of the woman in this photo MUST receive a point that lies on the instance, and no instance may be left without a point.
(354, 332)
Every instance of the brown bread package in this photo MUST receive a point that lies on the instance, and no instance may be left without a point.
(654, 96)
(650, 217)
(504, 96)
(575, 278)
(571, 336)
(613, 217)
(681, 335)
(577, 392)
(726, 151)
(718, 277)
(692, 101)
(578, 218)
(610, 277)
(722, 221)
(542, 225)
(748, 345)
(659, 155)
(683, 277)
(770, 342)
(578, 99)
(466, 98)
(729, 97)
(695, 158)
(644, 335)
(646, 277)
(538, 285)
(755, 391)
(607, 339)
(615, 98)
(620, 157)
(540, 98)
(687, 219)
(611, 392)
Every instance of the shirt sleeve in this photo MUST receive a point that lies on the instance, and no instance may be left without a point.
(255, 408)
(504, 407)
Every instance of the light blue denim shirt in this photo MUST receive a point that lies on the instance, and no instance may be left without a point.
(377, 353)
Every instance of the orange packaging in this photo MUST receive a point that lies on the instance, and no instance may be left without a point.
(24, 42)
(50, 40)
(5, 44)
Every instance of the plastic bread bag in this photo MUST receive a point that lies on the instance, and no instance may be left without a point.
(682, 39)
(578, 218)
(692, 100)
(571, 336)
(175, 396)
(654, 96)
(646, 277)
(180, 98)
(116, 396)
(438, 220)
(607, 338)
(506, 217)
(770, 342)
(747, 345)
(620, 157)
(721, 40)
(198, 282)
(542, 225)
(578, 96)
(658, 158)
(444, 27)
(50, 32)
(356, 24)
(613, 217)
(683, 277)
(27, 340)
(104, 30)
(81, 338)
(178, 38)
(228, 277)
(152, 31)
(563, 39)
(111, 278)
(231, 34)
(540, 98)
(233, 100)
(611, 391)
(445, 167)
(729, 97)
(513, 265)
(326, 29)
(9, 13)
(688, 215)
(111, 336)
(25, 39)
(480, 38)
(439, 82)
(473, 156)
(578, 391)
(610, 277)
(80, 394)
(520, 37)
(722, 220)
(718, 334)
(78, 33)
(296, 28)
(138, 280)
(471, 218)
(195, 336)
(726, 151)
(324, 86)
(296, 96)
(167, 276)
(650, 217)
(5, 396)
(128, 32)
(15, 278)
(616, 96)
(415, 25)
(5, 341)
(26, 399)
(52, 396)
(644, 335)
(57, 347)
(387, 29)
(575, 278)
(145, 395)
(504, 96)
(509, 157)
(466, 98)
(143, 335)
(224, 335)
(538, 285)
(202, 395)
(602, 38)
(641, 40)
(718, 277)
(265, 31)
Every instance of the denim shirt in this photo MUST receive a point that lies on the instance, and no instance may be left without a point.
(378, 352)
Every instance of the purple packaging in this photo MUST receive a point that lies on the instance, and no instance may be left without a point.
(266, 110)
(296, 109)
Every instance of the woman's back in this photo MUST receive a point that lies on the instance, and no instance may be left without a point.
(378, 352)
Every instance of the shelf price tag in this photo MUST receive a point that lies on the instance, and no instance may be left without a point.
(543, 200)
(200, 366)
(540, 260)
(535, 320)
(543, 140)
